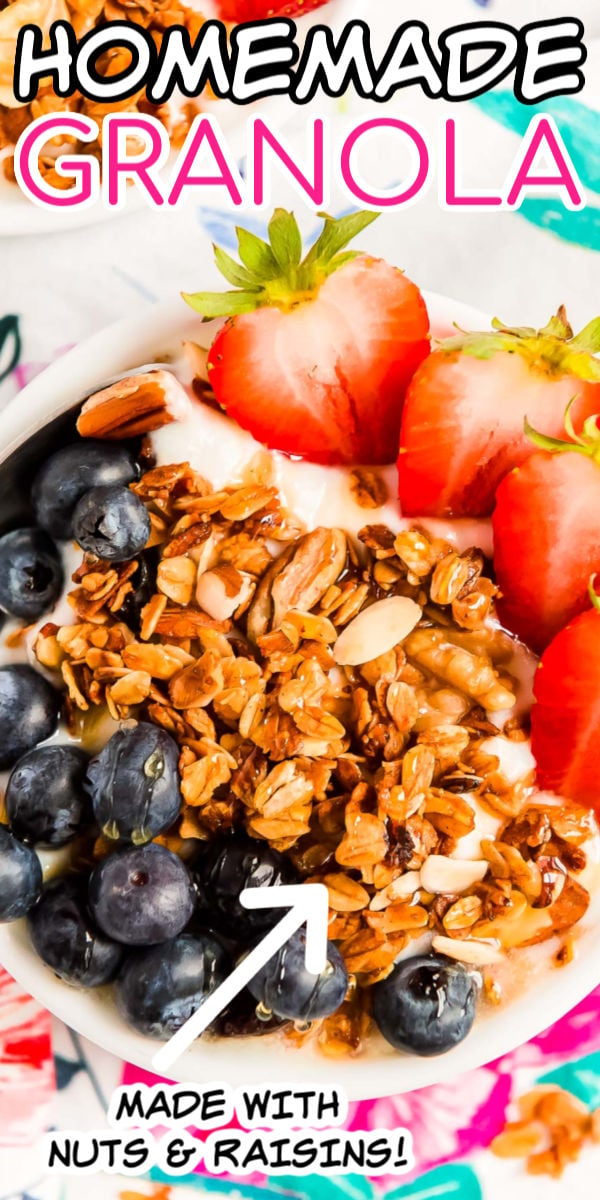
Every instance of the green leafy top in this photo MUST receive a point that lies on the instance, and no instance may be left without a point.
(587, 442)
(553, 350)
(274, 273)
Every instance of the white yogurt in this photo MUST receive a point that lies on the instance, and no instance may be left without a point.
(218, 449)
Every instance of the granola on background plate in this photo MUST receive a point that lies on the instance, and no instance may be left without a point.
(85, 15)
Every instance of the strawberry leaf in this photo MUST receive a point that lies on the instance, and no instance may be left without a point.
(233, 272)
(275, 274)
(257, 256)
(589, 338)
(337, 234)
(286, 239)
(220, 304)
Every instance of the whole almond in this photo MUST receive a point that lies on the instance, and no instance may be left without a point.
(376, 630)
(134, 406)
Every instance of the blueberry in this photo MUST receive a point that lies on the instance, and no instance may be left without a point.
(427, 1004)
(228, 866)
(285, 987)
(158, 989)
(240, 1019)
(67, 939)
(134, 784)
(29, 708)
(67, 475)
(142, 896)
(45, 798)
(31, 574)
(112, 523)
(20, 877)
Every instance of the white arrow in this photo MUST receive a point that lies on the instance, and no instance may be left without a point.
(308, 904)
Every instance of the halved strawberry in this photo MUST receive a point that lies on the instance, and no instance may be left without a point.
(565, 721)
(260, 10)
(318, 353)
(462, 426)
(546, 544)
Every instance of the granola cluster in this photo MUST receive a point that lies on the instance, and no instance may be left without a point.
(84, 15)
(354, 742)
(551, 1129)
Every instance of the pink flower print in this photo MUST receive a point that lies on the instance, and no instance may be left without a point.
(27, 1082)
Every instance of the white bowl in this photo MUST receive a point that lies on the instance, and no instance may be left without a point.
(546, 994)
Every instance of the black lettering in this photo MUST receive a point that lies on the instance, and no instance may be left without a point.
(78, 1152)
(379, 1153)
(550, 61)
(409, 60)
(500, 45)
(305, 1154)
(256, 1154)
(179, 1101)
(335, 67)
(332, 1106)
(277, 1160)
(226, 1150)
(282, 1113)
(116, 35)
(262, 56)
(330, 1145)
(258, 1103)
(354, 1152)
(213, 1105)
(159, 1106)
(135, 1154)
(33, 63)
(178, 1154)
(401, 1160)
(60, 1155)
(192, 68)
(130, 1105)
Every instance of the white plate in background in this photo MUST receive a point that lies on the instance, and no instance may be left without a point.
(19, 215)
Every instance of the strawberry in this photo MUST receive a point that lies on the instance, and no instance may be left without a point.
(462, 426)
(547, 534)
(260, 10)
(318, 351)
(565, 721)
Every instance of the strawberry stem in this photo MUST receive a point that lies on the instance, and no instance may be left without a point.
(274, 273)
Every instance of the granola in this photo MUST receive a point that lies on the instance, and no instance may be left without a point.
(340, 714)
(552, 1129)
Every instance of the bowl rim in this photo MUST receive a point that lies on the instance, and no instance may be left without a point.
(55, 391)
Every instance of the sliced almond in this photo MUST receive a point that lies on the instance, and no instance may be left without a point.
(450, 876)
(400, 889)
(216, 597)
(476, 953)
(134, 406)
(376, 630)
